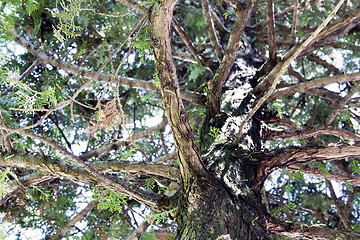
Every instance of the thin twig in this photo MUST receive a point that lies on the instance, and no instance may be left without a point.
(96, 11)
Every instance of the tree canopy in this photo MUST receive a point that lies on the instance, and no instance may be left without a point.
(180, 119)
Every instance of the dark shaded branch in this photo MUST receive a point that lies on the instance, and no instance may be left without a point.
(210, 29)
(70, 224)
(339, 210)
(340, 106)
(137, 233)
(271, 29)
(324, 63)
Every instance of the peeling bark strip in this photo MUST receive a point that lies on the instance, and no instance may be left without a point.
(160, 20)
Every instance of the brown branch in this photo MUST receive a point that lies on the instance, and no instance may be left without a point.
(271, 29)
(310, 132)
(297, 230)
(284, 157)
(137, 233)
(270, 81)
(120, 186)
(210, 29)
(301, 87)
(187, 41)
(295, 21)
(126, 167)
(354, 180)
(77, 218)
(324, 63)
(55, 168)
(339, 210)
(340, 106)
(160, 19)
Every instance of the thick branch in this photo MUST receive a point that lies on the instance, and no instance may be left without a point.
(311, 132)
(305, 231)
(271, 29)
(189, 158)
(56, 168)
(242, 14)
(284, 157)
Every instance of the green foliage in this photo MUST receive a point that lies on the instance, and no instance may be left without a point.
(109, 200)
(355, 166)
(142, 44)
(290, 206)
(31, 6)
(149, 184)
(214, 132)
(228, 13)
(156, 79)
(67, 24)
(196, 70)
(148, 3)
(160, 217)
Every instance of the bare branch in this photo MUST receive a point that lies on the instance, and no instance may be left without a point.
(137, 233)
(126, 167)
(339, 210)
(295, 21)
(271, 29)
(302, 87)
(310, 132)
(340, 106)
(210, 29)
(325, 64)
(296, 230)
(77, 218)
(56, 168)
(242, 14)
(160, 19)
(284, 157)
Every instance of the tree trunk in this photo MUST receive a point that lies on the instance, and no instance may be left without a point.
(209, 211)
(227, 202)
